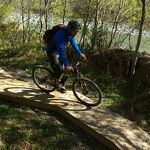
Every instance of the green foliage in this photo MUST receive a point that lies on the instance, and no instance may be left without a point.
(85, 11)
(144, 96)
(101, 38)
(14, 52)
(4, 109)
(5, 8)
(147, 16)
(21, 126)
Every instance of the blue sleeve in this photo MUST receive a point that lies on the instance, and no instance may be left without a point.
(75, 45)
(59, 41)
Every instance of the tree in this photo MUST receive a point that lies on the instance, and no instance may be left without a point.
(96, 17)
(23, 20)
(86, 21)
(5, 8)
(116, 22)
(29, 4)
(46, 4)
(141, 24)
(64, 11)
(41, 24)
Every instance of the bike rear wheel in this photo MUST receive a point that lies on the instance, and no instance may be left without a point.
(87, 92)
(44, 78)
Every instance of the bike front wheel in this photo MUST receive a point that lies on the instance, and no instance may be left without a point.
(87, 92)
(44, 78)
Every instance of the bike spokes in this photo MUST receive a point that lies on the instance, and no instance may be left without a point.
(87, 92)
(44, 79)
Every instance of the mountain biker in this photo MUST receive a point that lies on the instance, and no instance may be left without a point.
(56, 53)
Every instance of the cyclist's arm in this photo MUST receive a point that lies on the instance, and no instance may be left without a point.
(75, 45)
(62, 56)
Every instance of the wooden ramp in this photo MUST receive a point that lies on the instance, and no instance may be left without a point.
(109, 128)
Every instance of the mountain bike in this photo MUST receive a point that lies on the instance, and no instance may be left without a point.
(84, 89)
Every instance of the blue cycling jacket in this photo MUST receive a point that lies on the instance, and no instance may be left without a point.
(61, 40)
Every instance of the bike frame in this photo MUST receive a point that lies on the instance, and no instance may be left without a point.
(77, 73)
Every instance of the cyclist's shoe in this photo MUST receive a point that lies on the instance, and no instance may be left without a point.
(64, 79)
(61, 88)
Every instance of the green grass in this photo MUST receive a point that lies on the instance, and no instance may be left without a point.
(21, 126)
(112, 99)
(26, 128)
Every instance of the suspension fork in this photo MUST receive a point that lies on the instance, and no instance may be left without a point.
(82, 85)
(78, 74)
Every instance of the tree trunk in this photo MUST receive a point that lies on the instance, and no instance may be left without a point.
(139, 39)
(116, 22)
(46, 13)
(85, 21)
(23, 21)
(94, 33)
(64, 11)
(41, 24)
(28, 22)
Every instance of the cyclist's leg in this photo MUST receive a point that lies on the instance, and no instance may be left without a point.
(56, 65)
(58, 69)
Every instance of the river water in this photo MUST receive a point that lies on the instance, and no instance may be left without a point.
(121, 29)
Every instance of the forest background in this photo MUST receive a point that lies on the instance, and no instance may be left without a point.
(111, 29)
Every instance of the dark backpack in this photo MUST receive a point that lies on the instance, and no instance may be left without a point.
(50, 33)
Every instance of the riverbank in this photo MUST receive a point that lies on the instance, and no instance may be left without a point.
(122, 30)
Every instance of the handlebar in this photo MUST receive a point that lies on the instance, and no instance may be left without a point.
(78, 63)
